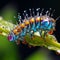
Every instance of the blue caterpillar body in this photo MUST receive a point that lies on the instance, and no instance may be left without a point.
(32, 24)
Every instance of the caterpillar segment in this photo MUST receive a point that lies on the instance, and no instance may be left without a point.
(34, 23)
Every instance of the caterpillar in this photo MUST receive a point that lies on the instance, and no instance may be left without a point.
(34, 21)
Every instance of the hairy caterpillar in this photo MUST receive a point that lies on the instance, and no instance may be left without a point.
(42, 23)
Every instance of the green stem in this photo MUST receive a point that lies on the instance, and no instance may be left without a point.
(49, 41)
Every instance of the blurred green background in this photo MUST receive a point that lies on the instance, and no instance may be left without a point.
(8, 50)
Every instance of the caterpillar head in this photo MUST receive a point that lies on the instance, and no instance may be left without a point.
(12, 37)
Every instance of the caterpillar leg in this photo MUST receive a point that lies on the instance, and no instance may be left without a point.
(22, 34)
(40, 32)
(17, 41)
(31, 34)
(21, 38)
(45, 32)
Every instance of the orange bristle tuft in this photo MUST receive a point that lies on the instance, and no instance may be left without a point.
(15, 31)
(26, 22)
(37, 19)
(22, 25)
(32, 20)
